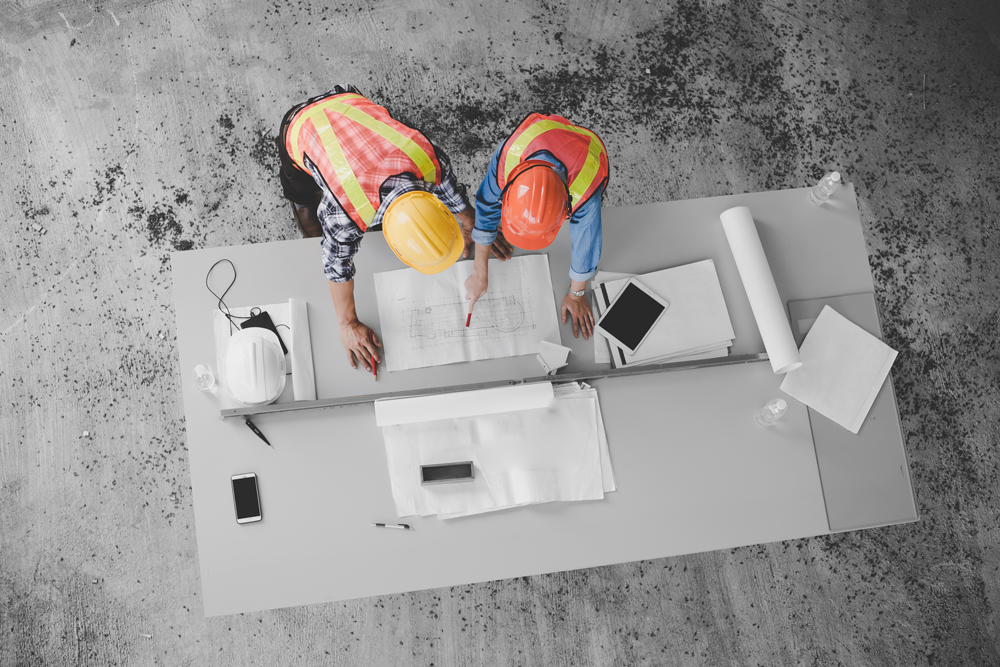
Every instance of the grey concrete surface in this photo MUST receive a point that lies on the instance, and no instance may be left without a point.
(132, 128)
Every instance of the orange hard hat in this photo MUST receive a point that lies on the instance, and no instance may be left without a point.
(535, 204)
(422, 232)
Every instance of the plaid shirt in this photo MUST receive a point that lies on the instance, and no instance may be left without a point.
(341, 235)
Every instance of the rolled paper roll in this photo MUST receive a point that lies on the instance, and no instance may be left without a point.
(761, 290)
(303, 377)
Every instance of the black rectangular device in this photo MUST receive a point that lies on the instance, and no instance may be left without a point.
(631, 315)
(440, 473)
(246, 498)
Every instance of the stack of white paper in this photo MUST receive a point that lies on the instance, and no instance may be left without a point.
(843, 369)
(695, 326)
(535, 445)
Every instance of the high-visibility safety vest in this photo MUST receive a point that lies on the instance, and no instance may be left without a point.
(579, 149)
(356, 145)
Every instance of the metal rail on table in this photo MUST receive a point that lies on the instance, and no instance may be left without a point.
(585, 376)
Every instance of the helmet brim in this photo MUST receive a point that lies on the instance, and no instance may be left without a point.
(531, 241)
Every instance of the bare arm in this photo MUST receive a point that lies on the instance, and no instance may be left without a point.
(359, 340)
(501, 249)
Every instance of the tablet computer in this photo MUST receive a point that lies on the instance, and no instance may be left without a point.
(631, 316)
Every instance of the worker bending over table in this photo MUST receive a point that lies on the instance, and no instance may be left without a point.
(547, 170)
(348, 167)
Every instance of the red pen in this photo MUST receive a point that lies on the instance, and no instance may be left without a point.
(468, 319)
(371, 337)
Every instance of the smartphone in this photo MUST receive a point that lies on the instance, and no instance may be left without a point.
(246, 498)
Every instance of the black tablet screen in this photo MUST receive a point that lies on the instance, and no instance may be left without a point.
(631, 316)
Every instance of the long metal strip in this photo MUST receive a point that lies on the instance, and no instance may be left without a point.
(585, 376)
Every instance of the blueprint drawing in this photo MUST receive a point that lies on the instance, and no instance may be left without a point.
(423, 316)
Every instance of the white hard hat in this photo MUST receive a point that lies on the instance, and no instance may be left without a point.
(254, 366)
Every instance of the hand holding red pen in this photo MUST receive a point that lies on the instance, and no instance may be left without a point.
(475, 287)
(371, 336)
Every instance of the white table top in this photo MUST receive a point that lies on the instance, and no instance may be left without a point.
(694, 473)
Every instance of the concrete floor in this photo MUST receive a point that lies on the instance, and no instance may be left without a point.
(133, 128)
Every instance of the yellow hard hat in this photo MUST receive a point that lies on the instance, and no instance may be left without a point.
(422, 232)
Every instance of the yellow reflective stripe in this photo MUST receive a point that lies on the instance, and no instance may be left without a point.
(405, 144)
(522, 140)
(296, 127)
(359, 200)
(583, 180)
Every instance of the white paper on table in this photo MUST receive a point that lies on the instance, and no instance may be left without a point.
(423, 317)
(531, 456)
(602, 346)
(696, 322)
(298, 361)
(843, 369)
(552, 357)
(585, 391)
(751, 262)
(390, 412)
(573, 390)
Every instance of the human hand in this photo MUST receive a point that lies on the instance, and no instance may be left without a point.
(360, 341)
(466, 220)
(501, 248)
(578, 307)
(475, 286)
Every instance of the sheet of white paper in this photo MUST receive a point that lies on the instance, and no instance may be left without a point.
(280, 315)
(696, 322)
(555, 355)
(602, 349)
(768, 311)
(389, 412)
(521, 457)
(423, 317)
(843, 368)
(578, 390)
(300, 351)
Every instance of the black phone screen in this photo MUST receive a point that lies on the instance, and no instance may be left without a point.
(631, 316)
(245, 495)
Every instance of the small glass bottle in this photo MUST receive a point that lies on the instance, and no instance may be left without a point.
(204, 378)
(826, 187)
(771, 413)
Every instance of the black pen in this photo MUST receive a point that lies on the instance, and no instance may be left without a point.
(397, 526)
(256, 430)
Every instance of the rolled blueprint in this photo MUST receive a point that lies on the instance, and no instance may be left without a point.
(393, 411)
(303, 377)
(761, 290)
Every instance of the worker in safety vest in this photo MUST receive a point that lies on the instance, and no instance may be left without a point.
(546, 171)
(348, 167)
